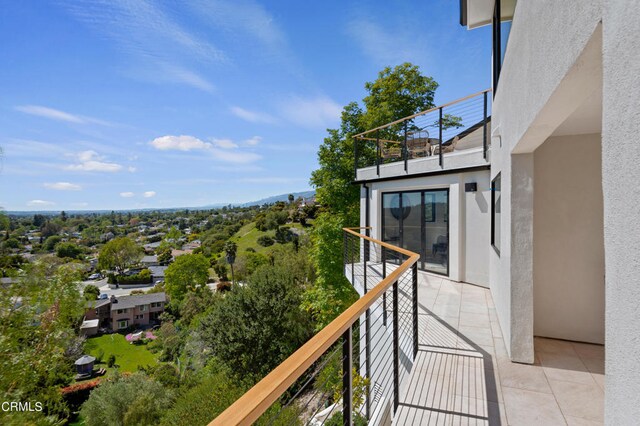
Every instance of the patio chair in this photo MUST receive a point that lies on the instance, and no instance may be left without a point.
(390, 150)
(435, 150)
(418, 144)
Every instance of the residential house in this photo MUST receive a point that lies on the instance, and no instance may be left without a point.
(521, 204)
(136, 310)
(121, 312)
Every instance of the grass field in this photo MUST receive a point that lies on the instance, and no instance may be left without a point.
(128, 356)
(248, 236)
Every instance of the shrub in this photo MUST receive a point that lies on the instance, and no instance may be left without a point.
(99, 356)
(265, 241)
(91, 292)
(111, 361)
(142, 277)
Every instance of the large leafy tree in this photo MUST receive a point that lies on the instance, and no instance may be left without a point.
(119, 254)
(255, 327)
(132, 400)
(38, 341)
(397, 92)
(188, 272)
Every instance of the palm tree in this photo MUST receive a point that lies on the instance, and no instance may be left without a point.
(230, 249)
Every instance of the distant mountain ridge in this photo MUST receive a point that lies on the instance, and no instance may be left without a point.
(281, 197)
(268, 200)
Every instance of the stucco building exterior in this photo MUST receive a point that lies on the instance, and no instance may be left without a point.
(543, 210)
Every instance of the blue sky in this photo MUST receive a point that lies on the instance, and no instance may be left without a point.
(114, 104)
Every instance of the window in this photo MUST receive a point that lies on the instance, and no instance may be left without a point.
(143, 308)
(123, 324)
(156, 305)
(496, 211)
(122, 311)
(140, 316)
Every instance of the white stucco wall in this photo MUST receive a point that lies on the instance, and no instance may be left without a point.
(469, 219)
(620, 179)
(552, 65)
(568, 245)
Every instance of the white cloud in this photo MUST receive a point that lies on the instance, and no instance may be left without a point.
(272, 180)
(90, 161)
(127, 194)
(221, 149)
(224, 143)
(237, 157)
(320, 111)
(149, 194)
(253, 141)
(390, 45)
(157, 45)
(40, 203)
(246, 17)
(63, 186)
(179, 74)
(58, 115)
(50, 113)
(132, 169)
(252, 116)
(179, 143)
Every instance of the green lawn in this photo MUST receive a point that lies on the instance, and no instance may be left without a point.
(248, 236)
(128, 356)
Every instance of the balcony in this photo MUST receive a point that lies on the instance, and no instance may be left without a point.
(421, 349)
(450, 137)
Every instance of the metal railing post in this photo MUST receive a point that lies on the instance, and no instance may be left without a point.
(347, 379)
(353, 263)
(440, 138)
(396, 350)
(404, 148)
(367, 337)
(484, 128)
(355, 159)
(344, 257)
(414, 281)
(378, 153)
(384, 295)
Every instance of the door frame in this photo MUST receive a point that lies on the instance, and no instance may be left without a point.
(423, 228)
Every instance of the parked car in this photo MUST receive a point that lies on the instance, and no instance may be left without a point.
(103, 296)
(95, 276)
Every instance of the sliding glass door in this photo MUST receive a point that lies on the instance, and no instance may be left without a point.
(419, 221)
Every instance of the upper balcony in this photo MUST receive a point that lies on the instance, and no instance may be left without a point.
(450, 137)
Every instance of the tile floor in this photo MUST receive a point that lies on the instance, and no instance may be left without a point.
(463, 376)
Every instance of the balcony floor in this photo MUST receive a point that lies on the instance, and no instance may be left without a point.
(463, 376)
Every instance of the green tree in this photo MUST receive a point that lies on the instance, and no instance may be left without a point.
(164, 254)
(119, 254)
(69, 250)
(131, 400)
(291, 198)
(188, 272)
(39, 342)
(204, 402)
(51, 242)
(230, 249)
(173, 237)
(91, 292)
(255, 327)
(397, 92)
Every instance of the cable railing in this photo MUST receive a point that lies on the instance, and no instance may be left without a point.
(351, 371)
(456, 126)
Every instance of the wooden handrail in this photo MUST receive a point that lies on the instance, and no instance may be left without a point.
(250, 406)
(359, 135)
